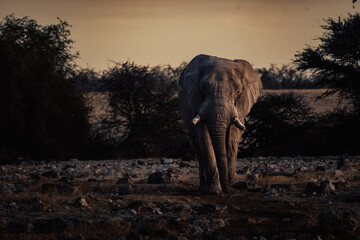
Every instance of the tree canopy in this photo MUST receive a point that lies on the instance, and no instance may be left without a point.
(41, 112)
(337, 58)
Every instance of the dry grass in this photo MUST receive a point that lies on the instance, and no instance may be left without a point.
(98, 100)
(319, 106)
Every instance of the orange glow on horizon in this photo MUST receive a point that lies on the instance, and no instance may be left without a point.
(169, 32)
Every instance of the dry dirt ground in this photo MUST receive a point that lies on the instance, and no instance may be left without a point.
(273, 198)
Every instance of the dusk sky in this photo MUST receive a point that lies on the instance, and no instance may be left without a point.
(171, 31)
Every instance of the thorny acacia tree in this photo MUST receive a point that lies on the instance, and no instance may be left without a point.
(41, 112)
(337, 58)
(142, 113)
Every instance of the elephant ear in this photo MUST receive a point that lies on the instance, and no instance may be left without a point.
(189, 83)
(251, 87)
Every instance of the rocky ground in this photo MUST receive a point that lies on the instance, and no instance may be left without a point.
(273, 198)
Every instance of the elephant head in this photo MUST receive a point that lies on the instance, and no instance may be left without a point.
(215, 95)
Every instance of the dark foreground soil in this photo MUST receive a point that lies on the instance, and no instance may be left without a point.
(286, 198)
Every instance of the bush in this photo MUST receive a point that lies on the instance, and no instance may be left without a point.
(42, 115)
(275, 125)
(284, 125)
(142, 114)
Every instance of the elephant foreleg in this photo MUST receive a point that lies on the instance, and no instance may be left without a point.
(207, 164)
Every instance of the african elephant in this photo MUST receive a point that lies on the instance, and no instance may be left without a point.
(215, 95)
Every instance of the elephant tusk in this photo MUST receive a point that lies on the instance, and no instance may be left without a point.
(196, 119)
(239, 124)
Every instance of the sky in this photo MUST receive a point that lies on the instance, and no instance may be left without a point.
(153, 32)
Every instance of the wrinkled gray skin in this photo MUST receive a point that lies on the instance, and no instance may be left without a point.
(219, 91)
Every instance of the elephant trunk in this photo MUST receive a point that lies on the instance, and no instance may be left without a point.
(218, 125)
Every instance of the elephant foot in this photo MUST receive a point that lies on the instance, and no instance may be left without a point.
(232, 179)
(212, 188)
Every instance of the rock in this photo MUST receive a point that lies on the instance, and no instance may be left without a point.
(125, 189)
(36, 203)
(51, 174)
(217, 223)
(80, 202)
(327, 187)
(241, 185)
(35, 176)
(273, 192)
(253, 176)
(320, 168)
(312, 188)
(124, 180)
(140, 163)
(338, 173)
(167, 161)
(184, 164)
(172, 175)
(156, 178)
(244, 171)
(64, 185)
(341, 163)
(13, 205)
(156, 211)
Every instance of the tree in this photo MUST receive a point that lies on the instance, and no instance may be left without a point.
(337, 58)
(275, 126)
(286, 77)
(142, 114)
(42, 115)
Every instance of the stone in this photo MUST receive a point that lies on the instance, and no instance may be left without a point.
(183, 164)
(338, 173)
(80, 202)
(156, 178)
(244, 171)
(35, 176)
(312, 188)
(125, 189)
(217, 223)
(320, 168)
(327, 186)
(171, 175)
(241, 185)
(167, 161)
(64, 185)
(51, 174)
(124, 180)
(253, 176)
(36, 203)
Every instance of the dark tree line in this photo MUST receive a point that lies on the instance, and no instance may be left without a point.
(288, 77)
